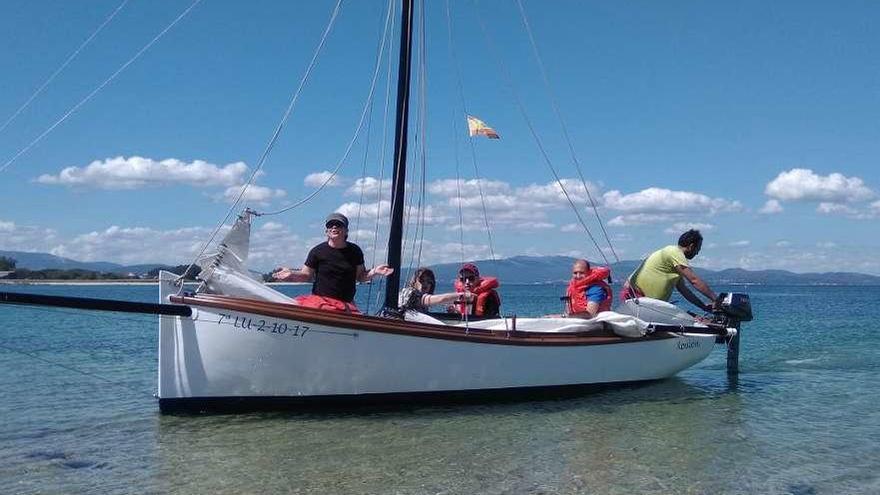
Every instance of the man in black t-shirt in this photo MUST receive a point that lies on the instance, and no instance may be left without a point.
(334, 266)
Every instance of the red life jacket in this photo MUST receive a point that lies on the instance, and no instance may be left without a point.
(483, 291)
(326, 303)
(577, 290)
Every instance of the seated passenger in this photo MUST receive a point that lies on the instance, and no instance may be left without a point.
(487, 302)
(588, 293)
(419, 294)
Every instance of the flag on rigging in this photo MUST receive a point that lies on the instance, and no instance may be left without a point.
(477, 127)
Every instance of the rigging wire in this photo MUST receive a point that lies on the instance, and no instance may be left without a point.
(74, 369)
(455, 144)
(100, 87)
(348, 148)
(392, 10)
(419, 232)
(472, 146)
(271, 144)
(63, 65)
(565, 134)
(534, 133)
(380, 49)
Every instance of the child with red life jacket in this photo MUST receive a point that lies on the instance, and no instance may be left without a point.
(588, 293)
(487, 302)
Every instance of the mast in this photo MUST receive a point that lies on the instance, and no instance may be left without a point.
(395, 239)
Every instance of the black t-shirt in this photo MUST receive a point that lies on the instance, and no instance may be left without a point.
(335, 270)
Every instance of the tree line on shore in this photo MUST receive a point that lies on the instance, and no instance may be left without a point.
(9, 264)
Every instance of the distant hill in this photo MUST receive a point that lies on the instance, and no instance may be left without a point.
(555, 269)
(515, 270)
(46, 261)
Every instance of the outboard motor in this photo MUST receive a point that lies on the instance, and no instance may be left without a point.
(734, 308)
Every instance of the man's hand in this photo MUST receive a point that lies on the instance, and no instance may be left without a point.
(282, 273)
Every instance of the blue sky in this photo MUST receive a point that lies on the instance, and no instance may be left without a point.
(754, 121)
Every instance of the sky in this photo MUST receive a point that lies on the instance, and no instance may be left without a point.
(755, 122)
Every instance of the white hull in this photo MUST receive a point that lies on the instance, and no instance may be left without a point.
(234, 354)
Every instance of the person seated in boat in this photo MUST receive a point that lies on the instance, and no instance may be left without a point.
(487, 302)
(667, 268)
(588, 293)
(333, 267)
(419, 294)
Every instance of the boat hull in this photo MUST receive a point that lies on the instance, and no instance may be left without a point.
(228, 357)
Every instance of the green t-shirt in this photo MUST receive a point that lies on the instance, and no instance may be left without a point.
(658, 277)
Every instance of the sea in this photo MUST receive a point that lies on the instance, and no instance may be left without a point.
(78, 415)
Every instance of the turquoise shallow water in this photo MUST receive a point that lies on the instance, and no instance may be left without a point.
(801, 418)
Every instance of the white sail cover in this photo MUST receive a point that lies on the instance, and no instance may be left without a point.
(225, 272)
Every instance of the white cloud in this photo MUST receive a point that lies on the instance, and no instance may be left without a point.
(552, 193)
(835, 208)
(826, 245)
(680, 227)
(740, 244)
(642, 219)
(369, 186)
(783, 243)
(772, 206)
(450, 187)
(136, 172)
(25, 237)
(318, 179)
(571, 227)
(800, 184)
(254, 194)
(381, 209)
(658, 200)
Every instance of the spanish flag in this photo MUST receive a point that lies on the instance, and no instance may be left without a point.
(477, 127)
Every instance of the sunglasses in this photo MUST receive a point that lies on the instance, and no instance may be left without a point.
(468, 278)
(337, 225)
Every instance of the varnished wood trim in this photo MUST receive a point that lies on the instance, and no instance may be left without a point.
(413, 329)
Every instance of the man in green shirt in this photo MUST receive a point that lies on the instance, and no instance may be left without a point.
(667, 268)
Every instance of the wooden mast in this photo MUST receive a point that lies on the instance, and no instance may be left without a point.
(395, 239)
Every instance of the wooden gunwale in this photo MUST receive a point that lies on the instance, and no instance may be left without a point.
(413, 329)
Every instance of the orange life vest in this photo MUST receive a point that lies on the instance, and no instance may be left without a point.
(326, 303)
(577, 290)
(483, 291)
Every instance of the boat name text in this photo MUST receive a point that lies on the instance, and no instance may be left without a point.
(261, 325)
(690, 344)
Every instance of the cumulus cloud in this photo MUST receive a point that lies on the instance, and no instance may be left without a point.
(369, 187)
(740, 243)
(381, 209)
(659, 200)
(801, 184)
(680, 227)
(136, 172)
(25, 237)
(772, 206)
(318, 179)
(451, 187)
(836, 208)
(254, 194)
(642, 219)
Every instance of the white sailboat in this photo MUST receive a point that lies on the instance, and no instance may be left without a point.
(238, 344)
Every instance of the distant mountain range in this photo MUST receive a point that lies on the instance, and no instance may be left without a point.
(515, 270)
(46, 261)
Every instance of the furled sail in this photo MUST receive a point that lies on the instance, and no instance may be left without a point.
(225, 272)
